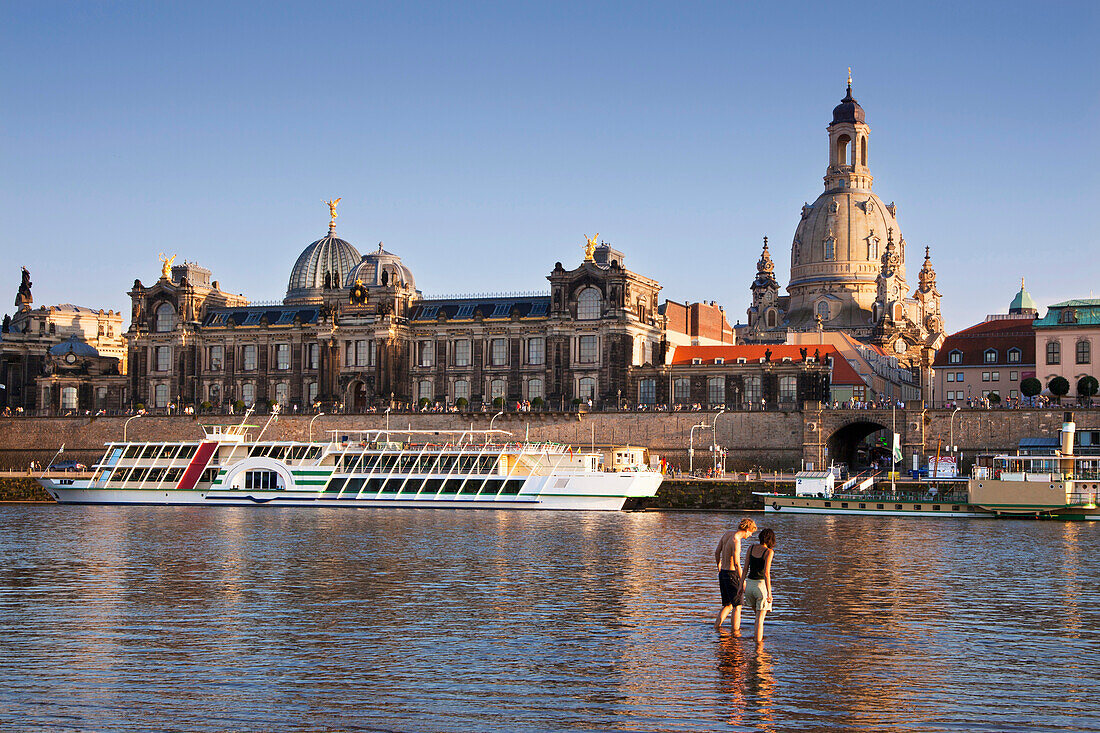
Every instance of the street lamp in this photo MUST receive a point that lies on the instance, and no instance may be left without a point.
(691, 445)
(494, 420)
(319, 414)
(714, 437)
(388, 422)
(951, 437)
(135, 417)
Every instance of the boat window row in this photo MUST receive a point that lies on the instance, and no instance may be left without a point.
(412, 463)
(286, 452)
(350, 488)
(160, 452)
(142, 475)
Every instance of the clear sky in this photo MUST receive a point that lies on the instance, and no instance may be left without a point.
(481, 141)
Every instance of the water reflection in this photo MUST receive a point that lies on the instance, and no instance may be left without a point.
(268, 618)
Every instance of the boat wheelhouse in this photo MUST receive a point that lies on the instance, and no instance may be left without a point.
(366, 468)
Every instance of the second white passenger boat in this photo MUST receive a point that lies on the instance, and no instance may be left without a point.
(362, 468)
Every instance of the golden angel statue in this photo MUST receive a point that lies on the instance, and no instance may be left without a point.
(332, 208)
(590, 246)
(166, 266)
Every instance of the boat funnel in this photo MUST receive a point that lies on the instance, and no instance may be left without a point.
(1068, 429)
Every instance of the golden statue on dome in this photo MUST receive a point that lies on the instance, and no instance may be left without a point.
(332, 210)
(590, 247)
(166, 266)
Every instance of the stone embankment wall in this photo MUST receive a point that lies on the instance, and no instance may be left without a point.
(767, 440)
(22, 489)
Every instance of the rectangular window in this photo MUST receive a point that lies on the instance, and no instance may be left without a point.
(462, 352)
(985, 376)
(1014, 356)
(361, 353)
(425, 354)
(1054, 352)
(753, 390)
(534, 388)
(536, 351)
(217, 358)
(1084, 352)
(681, 390)
(1013, 376)
(788, 389)
(647, 391)
(959, 377)
(716, 390)
(587, 349)
(1014, 394)
(248, 358)
(499, 352)
(951, 376)
(282, 356)
(163, 358)
(312, 356)
(996, 376)
(462, 389)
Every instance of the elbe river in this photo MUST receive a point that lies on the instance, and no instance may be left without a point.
(212, 619)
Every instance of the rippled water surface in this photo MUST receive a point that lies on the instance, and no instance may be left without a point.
(142, 618)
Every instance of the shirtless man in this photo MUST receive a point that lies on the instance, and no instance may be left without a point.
(728, 558)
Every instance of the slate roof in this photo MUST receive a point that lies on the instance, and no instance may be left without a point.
(491, 308)
(252, 316)
(1001, 334)
(843, 373)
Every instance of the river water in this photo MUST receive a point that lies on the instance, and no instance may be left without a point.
(149, 618)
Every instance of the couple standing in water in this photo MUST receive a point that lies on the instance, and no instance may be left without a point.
(751, 585)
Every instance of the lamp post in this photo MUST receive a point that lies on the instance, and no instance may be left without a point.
(951, 431)
(893, 437)
(493, 419)
(319, 414)
(691, 445)
(714, 437)
(135, 417)
(388, 422)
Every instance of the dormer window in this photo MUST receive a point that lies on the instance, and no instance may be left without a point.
(719, 360)
(1014, 356)
(1069, 315)
(955, 357)
(990, 356)
(696, 360)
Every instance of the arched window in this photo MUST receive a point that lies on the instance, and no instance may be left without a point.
(872, 248)
(788, 389)
(1069, 315)
(248, 394)
(842, 144)
(497, 388)
(716, 391)
(534, 388)
(830, 249)
(586, 388)
(681, 390)
(68, 398)
(424, 389)
(588, 305)
(282, 393)
(166, 318)
(462, 390)
(1054, 352)
(823, 310)
(160, 395)
(863, 151)
(1084, 352)
(771, 319)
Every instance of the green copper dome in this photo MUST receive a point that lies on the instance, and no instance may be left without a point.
(1023, 302)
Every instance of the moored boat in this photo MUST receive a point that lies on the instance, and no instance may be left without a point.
(361, 468)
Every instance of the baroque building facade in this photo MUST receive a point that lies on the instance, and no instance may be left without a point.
(61, 358)
(353, 331)
(848, 264)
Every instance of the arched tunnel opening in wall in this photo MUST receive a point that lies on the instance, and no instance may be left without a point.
(860, 444)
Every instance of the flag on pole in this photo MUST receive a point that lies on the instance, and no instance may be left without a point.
(897, 448)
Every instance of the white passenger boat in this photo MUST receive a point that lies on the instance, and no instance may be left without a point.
(361, 468)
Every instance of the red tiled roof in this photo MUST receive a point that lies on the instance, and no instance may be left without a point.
(1001, 335)
(843, 373)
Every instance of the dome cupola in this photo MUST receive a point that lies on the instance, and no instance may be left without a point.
(76, 346)
(380, 269)
(323, 265)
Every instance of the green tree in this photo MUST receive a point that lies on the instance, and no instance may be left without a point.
(1059, 387)
(1087, 387)
(424, 401)
(461, 403)
(994, 398)
(1031, 387)
(498, 402)
(238, 405)
(537, 402)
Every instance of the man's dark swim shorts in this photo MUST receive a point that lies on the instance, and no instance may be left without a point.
(730, 585)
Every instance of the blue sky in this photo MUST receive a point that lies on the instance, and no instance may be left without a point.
(481, 141)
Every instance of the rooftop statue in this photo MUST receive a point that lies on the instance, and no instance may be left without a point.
(166, 266)
(23, 298)
(332, 210)
(590, 246)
